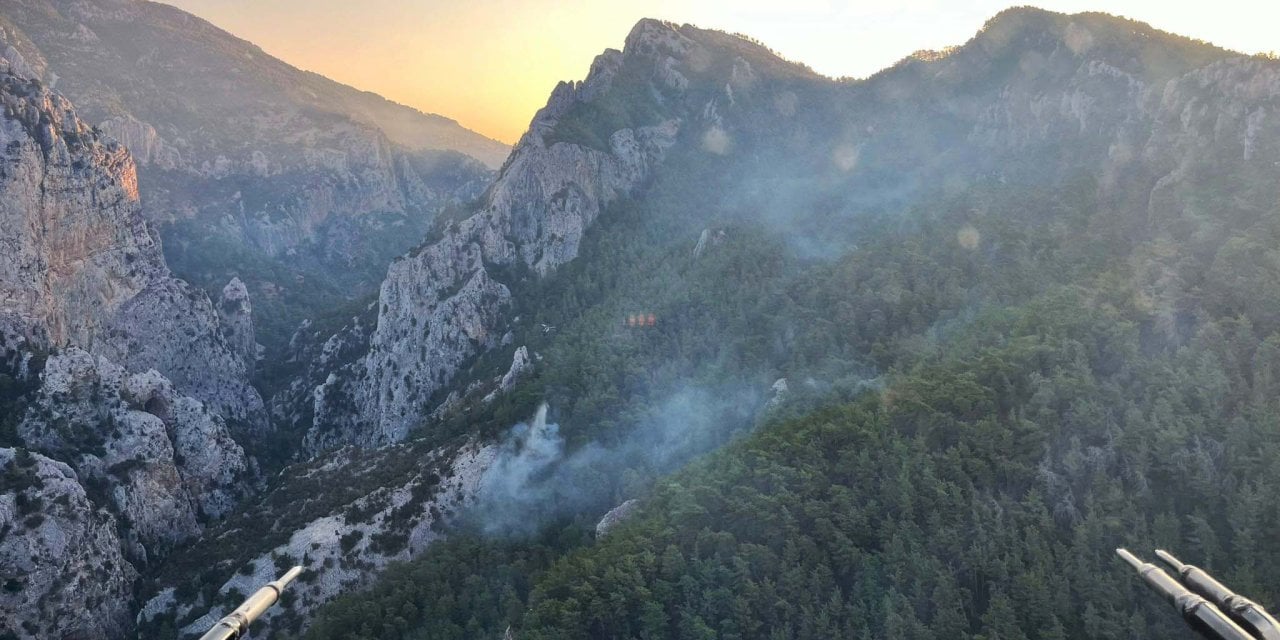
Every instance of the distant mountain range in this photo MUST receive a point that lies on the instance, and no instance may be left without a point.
(250, 167)
(183, 92)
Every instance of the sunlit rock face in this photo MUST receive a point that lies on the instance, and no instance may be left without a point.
(76, 248)
(82, 267)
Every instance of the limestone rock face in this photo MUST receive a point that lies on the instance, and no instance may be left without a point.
(173, 328)
(143, 141)
(616, 516)
(83, 268)
(520, 365)
(441, 306)
(76, 248)
(383, 506)
(165, 461)
(131, 385)
(60, 557)
(235, 312)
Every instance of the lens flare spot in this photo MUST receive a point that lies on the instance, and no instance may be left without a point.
(785, 104)
(845, 157)
(1078, 39)
(968, 237)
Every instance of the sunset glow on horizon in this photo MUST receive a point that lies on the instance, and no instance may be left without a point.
(429, 54)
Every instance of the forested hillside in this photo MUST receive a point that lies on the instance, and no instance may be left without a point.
(997, 370)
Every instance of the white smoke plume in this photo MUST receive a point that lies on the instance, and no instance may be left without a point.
(536, 479)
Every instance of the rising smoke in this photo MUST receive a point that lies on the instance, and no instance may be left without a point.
(536, 479)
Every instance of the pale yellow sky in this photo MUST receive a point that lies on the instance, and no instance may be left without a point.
(490, 64)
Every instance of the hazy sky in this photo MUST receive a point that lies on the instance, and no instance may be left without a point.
(491, 63)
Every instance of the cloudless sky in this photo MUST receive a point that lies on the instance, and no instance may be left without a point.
(490, 64)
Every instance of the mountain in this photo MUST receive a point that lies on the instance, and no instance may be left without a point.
(532, 218)
(119, 390)
(302, 187)
(726, 349)
(993, 312)
(796, 149)
(153, 75)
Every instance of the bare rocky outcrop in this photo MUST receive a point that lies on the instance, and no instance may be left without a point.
(341, 544)
(616, 516)
(136, 384)
(235, 313)
(164, 461)
(780, 390)
(142, 140)
(441, 306)
(520, 366)
(60, 559)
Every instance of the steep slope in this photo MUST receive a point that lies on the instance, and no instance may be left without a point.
(82, 266)
(57, 543)
(118, 388)
(972, 261)
(1026, 281)
(440, 307)
(777, 144)
(344, 518)
(302, 187)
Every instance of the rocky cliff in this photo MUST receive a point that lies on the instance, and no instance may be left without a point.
(82, 267)
(235, 313)
(441, 306)
(303, 188)
(128, 390)
(166, 460)
(61, 559)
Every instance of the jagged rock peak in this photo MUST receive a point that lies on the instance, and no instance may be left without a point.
(70, 214)
(655, 38)
(235, 311)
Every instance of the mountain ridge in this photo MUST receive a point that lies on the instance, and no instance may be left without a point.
(669, 59)
(1022, 312)
(932, 262)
